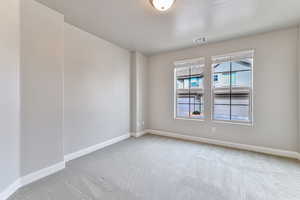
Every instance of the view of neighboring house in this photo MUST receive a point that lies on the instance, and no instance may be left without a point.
(231, 91)
(232, 82)
(190, 90)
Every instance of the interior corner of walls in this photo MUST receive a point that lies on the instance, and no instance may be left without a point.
(37, 175)
(138, 134)
(134, 134)
(30, 178)
(10, 190)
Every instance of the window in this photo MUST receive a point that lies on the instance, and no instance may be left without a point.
(189, 89)
(232, 87)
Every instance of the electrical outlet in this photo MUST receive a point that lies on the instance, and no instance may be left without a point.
(213, 129)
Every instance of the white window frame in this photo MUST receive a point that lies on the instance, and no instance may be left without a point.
(251, 112)
(177, 65)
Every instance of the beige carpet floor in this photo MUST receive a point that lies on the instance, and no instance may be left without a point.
(159, 168)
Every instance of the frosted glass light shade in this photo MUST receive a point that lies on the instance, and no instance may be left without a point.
(162, 5)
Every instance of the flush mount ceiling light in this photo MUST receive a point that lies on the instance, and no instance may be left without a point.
(162, 5)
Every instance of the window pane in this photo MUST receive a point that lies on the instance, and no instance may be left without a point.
(242, 79)
(182, 106)
(180, 83)
(240, 112)
(197, 106)
(182, 72)
(242, 64)
(186, 83)
(222, 112)
(182, 90)
(197, 92)
(240, 99)
(197, 76)
(241, 90)
(222, 107)
(221, 73)
(195, 82)
(222, 99)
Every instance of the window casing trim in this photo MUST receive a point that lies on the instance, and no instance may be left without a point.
(183, 64)
(251, 110)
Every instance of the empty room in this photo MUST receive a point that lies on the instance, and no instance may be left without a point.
(149, 100)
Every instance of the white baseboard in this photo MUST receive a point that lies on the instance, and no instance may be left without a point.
(265, 150)
(35, 176)
(94, 148)
(139, 134)
(23, 181)
(10, 190)
(30, 178)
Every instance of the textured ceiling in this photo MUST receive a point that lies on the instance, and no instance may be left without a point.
(135, 25)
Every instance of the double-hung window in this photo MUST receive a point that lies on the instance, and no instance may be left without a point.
(232, 87)
(189, 88)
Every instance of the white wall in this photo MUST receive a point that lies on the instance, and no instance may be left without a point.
(97, 90)
(133, 93)
(42, 55)
(275, 92)
(9, 100)
(299, 86)
(138, 79)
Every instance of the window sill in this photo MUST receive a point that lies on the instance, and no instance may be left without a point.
(249, 124)
(189, 119)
